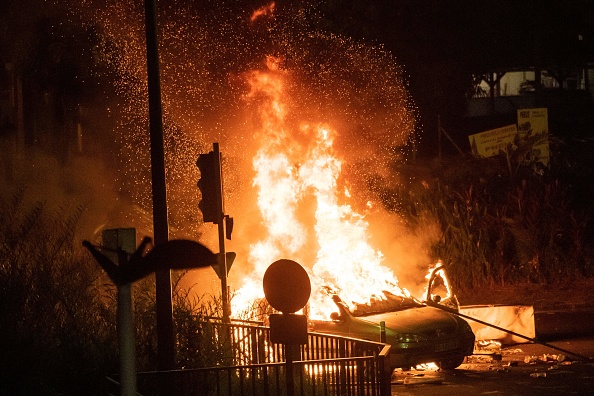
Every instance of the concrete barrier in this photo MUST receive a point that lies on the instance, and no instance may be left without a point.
(516, 318)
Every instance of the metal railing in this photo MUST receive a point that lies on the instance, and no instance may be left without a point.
(326, 365)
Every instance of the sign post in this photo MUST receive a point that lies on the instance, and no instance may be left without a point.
(287, 288)
(119, 243)
(492, 142)
(134, 265)
(531, 133)
(534, 124)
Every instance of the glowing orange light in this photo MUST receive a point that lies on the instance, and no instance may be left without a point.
(304, 208)
(263, 11)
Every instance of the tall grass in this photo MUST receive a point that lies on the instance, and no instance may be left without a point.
(58, 310)
(503, 220)
(52, 335)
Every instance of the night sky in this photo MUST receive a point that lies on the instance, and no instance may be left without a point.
(439, 43)
(436, 46)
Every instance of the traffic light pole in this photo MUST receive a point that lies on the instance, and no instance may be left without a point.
(212, 206)
(223, 266)
(222, 255)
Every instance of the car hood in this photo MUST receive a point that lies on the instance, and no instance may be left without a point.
(417, 320)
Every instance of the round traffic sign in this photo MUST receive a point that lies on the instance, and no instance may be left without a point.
(286, 286)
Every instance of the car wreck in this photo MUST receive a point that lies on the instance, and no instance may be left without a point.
(417, 333)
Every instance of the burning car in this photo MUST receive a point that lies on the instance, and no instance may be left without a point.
(418, 333)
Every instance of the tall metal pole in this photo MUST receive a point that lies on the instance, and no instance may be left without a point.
(126, 337)
(166, 355)
(222, 255)
(123, 242)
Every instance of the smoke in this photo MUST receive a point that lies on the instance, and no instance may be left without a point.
(83, 183)
(207, 51)
(406, 249)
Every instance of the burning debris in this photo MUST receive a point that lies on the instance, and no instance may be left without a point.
(298, 180)
(305, 119)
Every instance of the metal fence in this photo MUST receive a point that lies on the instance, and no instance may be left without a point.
(326, 365)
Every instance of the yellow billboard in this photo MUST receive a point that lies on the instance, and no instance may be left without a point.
(533, 126)
(531, 132)
(490, 143)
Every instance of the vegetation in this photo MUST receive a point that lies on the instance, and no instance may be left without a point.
(504, 220)
(58, 310)
(56, 333)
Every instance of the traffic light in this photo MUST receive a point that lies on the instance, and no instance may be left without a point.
(209, 184)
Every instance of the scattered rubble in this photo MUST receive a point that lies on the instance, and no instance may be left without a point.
(421, 374)
(546, 358)
(422, 380)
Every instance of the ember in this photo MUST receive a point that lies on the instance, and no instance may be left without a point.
(304, 119)
(297, 172)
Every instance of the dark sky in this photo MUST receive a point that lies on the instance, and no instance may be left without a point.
(479, 32)
(440, 43)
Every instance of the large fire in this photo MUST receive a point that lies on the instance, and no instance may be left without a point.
(320, 102)
(297, 176)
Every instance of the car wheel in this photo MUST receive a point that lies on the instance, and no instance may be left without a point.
(452, 363)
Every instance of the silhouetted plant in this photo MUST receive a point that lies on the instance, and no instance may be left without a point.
(503, 220)
(58, 320)
(52, 337)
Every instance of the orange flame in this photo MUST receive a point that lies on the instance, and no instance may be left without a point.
(446, 288)
(262, 11)
(304, 210)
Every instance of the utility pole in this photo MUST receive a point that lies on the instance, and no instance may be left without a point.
(165, 344)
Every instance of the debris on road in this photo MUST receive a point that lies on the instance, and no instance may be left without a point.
(422, 380)
(545, 358)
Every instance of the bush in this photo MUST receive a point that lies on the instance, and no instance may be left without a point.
(58, 319)
(56, 337)
(503, 220)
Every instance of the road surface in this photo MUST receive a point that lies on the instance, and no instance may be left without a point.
(518, 370)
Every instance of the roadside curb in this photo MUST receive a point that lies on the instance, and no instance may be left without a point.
(565, 321)
(554, 322)
(568, 307)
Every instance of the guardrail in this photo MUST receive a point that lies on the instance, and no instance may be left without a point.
(326, 365)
